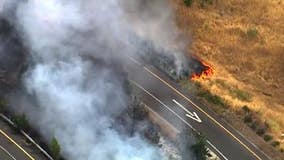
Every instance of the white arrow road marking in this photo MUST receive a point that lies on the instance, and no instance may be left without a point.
(195, 117)
(192, 115)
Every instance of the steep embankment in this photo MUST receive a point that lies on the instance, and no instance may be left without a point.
(244, 42)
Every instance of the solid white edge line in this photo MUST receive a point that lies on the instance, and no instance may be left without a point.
(9, 154)
(135, 61)
(249, 141)
(216, 149)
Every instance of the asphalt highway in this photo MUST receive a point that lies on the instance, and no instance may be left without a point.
(13, 146)
(10, 149)
(181, 109)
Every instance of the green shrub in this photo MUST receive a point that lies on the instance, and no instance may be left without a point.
(248, 118)
(214, 99)
(54, 148)
(21, 121)
(267, 137)
(246, 109)
(260, 131)
(152, 133)
(199, 148)
(275, 143)
(184, 141)
(139, 113)
(188, 3)
(254, 125)
(252, 33)
(241, 95)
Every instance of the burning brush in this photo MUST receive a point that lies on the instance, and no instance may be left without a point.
(204, 71)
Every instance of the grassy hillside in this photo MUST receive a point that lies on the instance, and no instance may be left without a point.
(244, 42)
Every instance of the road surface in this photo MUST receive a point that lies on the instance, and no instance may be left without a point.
(181, 109)
(13, 146)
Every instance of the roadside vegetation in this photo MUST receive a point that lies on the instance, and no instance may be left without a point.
(214, 99)
(251, 33)
(21, 122)
(219, 105)
(234, 91)
(55, 149)
(199, 148)
(190, 143)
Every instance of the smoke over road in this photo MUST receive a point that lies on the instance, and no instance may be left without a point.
(73, 99)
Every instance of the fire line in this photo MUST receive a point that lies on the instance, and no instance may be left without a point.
(205, 73)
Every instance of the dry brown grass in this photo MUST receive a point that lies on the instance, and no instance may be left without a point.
(244, 41)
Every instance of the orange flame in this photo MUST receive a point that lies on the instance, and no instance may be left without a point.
(207, 72)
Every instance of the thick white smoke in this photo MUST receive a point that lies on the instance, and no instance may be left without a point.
(77, 100)
(76, 104)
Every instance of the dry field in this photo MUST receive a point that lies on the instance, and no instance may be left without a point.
(244, 41)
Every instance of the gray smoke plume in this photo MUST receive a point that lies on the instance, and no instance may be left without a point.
(74, 99)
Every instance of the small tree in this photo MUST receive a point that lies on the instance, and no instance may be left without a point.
(54, 148)
(199, 148)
